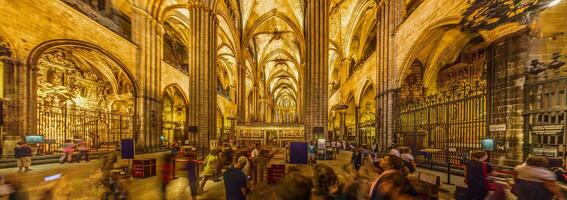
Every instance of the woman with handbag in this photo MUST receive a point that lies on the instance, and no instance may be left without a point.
(476, 174)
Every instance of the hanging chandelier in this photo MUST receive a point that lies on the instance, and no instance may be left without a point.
(489, 14)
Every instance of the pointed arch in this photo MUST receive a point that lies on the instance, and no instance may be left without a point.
(368, 84)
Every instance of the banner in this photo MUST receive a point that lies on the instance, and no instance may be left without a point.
(127, 148)
(298, 153)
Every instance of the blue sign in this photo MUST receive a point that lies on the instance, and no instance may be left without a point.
(34, 139)
(298, 153)
(487, 144)
(127, 148)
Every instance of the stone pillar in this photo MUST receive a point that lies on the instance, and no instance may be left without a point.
(202, 70)
(389, 17)
(316, 67)
(148, 35)
(241, 102)
(342, 124)
(357, 124)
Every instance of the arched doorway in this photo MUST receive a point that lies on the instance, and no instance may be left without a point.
(82, 94)
(174, 115)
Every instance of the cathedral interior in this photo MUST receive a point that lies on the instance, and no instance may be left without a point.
(427, 74)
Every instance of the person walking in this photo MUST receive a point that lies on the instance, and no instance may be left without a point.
(23, 154)
(235, 182)
(209, 168)
(68, 150)
(356, 159)
(409, 161)
(391, 182)
(476, 174)
(83, 151)
(325, 183)
(532, 180)
(166, 174)
(192, 174)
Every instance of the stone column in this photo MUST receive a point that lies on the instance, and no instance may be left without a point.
(148, 35)
(389, 17)
(241, 102)
(342, 124)
(202, 70)
(316, 67)
(357, 124)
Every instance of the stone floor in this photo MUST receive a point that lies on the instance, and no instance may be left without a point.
(80, 181)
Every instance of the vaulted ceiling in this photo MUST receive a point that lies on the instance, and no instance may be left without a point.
(266, 38)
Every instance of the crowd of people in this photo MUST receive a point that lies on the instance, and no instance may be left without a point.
(371, 174)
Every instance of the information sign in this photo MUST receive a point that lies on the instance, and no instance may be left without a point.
(497, 127)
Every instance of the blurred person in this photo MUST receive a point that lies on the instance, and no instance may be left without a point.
(294, 186)
(311, 152)
(476, 174)
(392, 166)
(192, 174)
(409, 161)
(394, 186)
(166, 173)
(83, 151)
(532, 180)
(209, 168)
(107, 162)
(353, 190)
(219, 165)
(356, 159)
(247, 166)
(325, 183)
(23, 154)
(255, 152)
(393, 151)
(235, 182)
(334, 145)
(228, 154)
(68, 150)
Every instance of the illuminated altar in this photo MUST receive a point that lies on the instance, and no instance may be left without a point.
(83, 95)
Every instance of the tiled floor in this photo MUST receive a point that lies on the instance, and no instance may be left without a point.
(80, 180)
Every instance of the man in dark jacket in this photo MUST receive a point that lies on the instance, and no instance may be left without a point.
(23, 155)
(235, 182)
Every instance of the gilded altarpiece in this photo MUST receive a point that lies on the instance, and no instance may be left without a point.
(82, 96)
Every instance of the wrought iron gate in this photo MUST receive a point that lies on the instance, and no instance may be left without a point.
(455, 118)
(101, 129)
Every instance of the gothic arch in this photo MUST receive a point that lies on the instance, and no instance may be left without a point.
(41, 48)
(435, 29)
(86, 82)
(368, 85)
